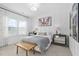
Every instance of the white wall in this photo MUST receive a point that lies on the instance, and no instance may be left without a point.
(42, 29)
(30, 25)
(60, 16)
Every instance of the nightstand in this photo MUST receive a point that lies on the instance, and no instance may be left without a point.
(61, 35)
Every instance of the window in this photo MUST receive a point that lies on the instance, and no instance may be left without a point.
(22, 27)
(16, 27)
(12, 26)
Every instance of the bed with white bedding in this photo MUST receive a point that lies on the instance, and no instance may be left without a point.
(42, 41)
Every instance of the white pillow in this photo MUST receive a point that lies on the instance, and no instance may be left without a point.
(42, 33)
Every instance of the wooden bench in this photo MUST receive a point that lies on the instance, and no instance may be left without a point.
(26, 46)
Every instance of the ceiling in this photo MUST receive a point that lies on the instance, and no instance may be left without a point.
(44, 8)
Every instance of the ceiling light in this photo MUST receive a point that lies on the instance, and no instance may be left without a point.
(33, 6)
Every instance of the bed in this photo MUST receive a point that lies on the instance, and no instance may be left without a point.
(43, 41)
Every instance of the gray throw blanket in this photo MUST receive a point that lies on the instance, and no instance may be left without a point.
(41, 41)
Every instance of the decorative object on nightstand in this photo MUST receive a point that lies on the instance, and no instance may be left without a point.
(35, 31)
(57, 28)
(30, 33)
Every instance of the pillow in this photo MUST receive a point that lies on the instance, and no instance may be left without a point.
(42, 33)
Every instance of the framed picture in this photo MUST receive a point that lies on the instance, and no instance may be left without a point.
(45, 21)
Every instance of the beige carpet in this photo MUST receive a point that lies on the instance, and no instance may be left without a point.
(54, 50)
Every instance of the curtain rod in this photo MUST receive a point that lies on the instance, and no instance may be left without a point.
(14, 12)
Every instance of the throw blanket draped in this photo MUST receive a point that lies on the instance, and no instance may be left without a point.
(41, 41)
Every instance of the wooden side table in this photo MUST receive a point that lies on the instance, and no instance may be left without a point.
(26, 46)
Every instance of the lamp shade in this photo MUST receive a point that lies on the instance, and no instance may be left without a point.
(57, 28)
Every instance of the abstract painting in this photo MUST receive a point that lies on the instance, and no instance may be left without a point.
(45, 21)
